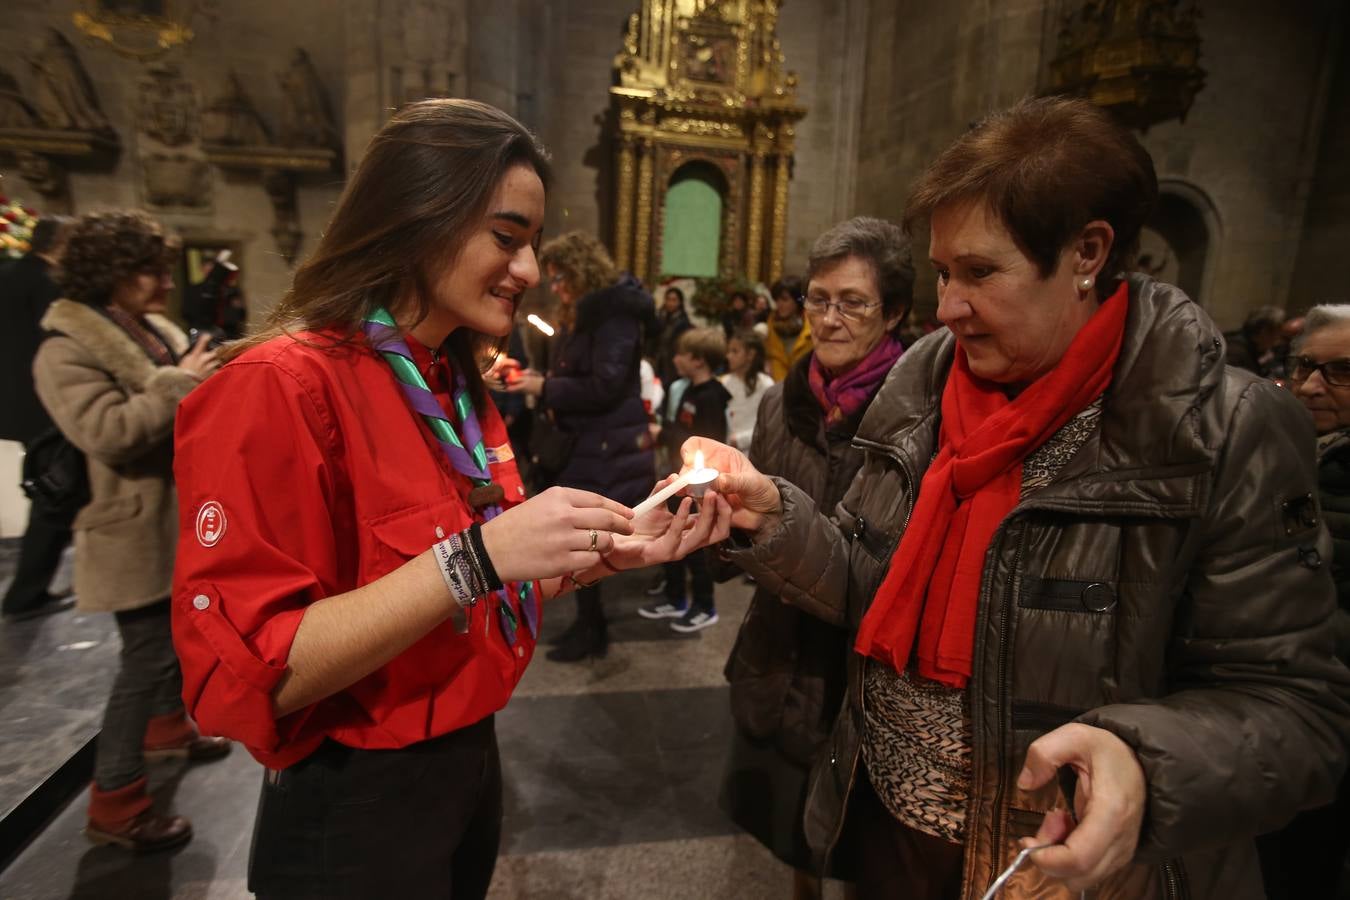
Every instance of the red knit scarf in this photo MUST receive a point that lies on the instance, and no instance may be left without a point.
(932, 588)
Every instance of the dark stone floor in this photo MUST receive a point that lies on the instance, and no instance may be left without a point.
(611, 773)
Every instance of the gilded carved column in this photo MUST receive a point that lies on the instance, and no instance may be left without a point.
(623, 225)
(642, 228)
(779, 225)
(754, 244)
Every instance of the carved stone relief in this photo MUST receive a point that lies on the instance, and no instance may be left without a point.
(64, 95)
(175, 174)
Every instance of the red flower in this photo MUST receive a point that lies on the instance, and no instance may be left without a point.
(4, 226)
(12, 216)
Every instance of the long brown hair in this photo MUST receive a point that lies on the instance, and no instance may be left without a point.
(403, 218)
(584, 264)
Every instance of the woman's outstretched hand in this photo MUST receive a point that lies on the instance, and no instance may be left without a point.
(1109, 801)
(550, 534)
(661, 536)
(753, 497)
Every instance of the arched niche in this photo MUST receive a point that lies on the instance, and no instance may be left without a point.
(693, 216)
(1177, 244)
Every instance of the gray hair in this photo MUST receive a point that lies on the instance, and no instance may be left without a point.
(883, 245)
(1322, 316)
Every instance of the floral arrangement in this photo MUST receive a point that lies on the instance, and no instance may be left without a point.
(16, 227)
(712, 296)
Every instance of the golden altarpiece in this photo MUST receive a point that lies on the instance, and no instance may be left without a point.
(702, 82)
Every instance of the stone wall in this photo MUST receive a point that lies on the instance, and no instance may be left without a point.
(251, 37)
(1319, 275)
(1244, 156)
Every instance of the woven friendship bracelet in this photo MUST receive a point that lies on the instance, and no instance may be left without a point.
(475, 543)
(454, 583)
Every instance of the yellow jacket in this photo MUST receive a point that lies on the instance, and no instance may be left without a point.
(780, 358)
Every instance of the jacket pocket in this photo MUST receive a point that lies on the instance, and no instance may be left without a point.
(102, 513)
(1068, 595)
(403, 535)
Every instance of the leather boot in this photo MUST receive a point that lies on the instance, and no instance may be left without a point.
(173, 736)
(591, 638)
(569, 634)
(123, 818)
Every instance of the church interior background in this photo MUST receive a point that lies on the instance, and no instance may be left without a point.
(698, 138)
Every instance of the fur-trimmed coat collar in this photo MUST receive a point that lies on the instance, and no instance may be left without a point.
(115, 350)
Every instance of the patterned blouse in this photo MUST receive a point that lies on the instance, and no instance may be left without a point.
(917, 739)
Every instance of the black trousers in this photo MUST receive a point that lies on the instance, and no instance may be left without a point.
(894, 861)
(420, 822)
(44, 540)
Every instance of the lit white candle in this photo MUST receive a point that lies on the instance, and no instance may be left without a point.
(696, 479)
(540, 324)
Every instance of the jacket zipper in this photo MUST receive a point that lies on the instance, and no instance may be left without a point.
(1004, 705)
(1174, 880)
(862, 691)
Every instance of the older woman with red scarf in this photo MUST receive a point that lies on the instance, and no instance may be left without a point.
(1083, 559)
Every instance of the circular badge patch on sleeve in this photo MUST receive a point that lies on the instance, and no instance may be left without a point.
(210, 523)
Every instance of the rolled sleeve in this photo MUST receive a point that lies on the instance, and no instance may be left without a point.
(256, 547)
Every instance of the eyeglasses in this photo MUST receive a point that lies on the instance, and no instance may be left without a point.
(852, 308)
(1335, 372)
(555, 280)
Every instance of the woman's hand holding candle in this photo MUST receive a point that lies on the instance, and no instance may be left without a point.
(753, 497)
(660, 536)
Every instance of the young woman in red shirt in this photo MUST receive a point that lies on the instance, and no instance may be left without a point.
(360, 573)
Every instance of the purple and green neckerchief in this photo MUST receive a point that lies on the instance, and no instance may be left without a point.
(386, 338)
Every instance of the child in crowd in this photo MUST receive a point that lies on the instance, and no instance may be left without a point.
(746, 382)
(700, 411)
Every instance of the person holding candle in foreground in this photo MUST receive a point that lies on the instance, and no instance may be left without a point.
(1078, 545)
(788, 668)
(359, 574)
(593, 392)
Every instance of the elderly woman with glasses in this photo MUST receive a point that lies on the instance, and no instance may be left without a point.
(787, 670)
(1082, 559)
(1307, 858)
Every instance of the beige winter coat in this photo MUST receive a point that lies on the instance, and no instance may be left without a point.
(111, 400)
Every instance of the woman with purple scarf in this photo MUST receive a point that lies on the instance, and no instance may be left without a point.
(787, 670)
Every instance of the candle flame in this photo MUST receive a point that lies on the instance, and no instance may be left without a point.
(540, 324)
(698, 460)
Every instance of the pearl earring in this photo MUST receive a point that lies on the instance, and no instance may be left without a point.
(1085, 283)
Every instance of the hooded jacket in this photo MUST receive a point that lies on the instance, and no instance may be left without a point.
(110, 399)
(594, 391)
(1171, 585)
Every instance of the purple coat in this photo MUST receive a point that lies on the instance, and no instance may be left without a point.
(593, 390)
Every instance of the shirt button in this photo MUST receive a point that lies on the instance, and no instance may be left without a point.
(201, 601)
(520, 490)
(520, 651)
(440, 532)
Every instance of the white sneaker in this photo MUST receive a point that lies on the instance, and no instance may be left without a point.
(694, 620)
(663, 611)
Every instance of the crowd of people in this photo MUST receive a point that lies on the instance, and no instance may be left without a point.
(1057, 593)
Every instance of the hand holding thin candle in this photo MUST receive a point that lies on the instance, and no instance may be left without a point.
(696, 479)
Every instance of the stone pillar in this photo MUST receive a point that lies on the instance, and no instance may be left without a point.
(754, 243)
(642, 228)
(623, 224)
(778, 240)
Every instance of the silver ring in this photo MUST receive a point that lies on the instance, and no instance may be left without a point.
(594, 538)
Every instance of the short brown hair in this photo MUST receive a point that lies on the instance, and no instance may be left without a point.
(883, 246)
(1046, 167)
(106, 247)
(581, 260)
(707, 344)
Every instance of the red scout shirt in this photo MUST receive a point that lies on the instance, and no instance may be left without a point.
(302, 473)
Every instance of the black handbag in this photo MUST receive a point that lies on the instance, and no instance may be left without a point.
(55, 473)
(551, 445)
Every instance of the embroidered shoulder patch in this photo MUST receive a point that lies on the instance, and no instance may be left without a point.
(210, 523)
(501, 454)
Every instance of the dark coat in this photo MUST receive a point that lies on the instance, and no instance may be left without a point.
(1333, 487)
(593, 390)
(26, 290)
(671, 326)
(788, 668)
(1166, 586)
